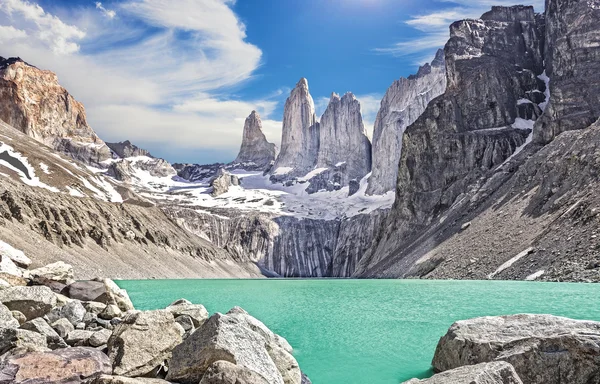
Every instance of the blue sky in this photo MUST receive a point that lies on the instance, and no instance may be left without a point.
(179, 76)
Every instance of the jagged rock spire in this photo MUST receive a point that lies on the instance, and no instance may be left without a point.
(255, 151)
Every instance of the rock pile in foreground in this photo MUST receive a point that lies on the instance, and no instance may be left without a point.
(54, 329)
(533, 349)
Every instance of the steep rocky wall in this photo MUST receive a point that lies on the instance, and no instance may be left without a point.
(285, 245)
(572, 63)
(33, 101)
(256, 152)
(492, 63)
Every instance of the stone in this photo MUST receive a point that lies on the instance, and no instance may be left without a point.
(404, 101)
(197, 312)
(186, 322)
(69, 365)
(55, 286)
(498, 372)
(143, 342)
(39, 325)
(7, 320)
(110, 312)
(222, 337)
(79, 338)
(7, 266)
(17, 256)
(256, 152)
(61, 299)
(300, 136)
(257, 326)
(63, 327)
(94, 307)
(107, 379)
(33, 102)
(126, 149)
(118, 295)
(103, 291)
(11, 338)
(286, 365)
(73, 311)
(542, 348)
(465, 225)
(20, 317)
(222, 182)
(224, 372)
(59, 271)
(4, 284)
(13, 280)
(100, 337)
(30, 301)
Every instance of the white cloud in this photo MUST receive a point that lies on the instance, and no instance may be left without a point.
(106, 12)
(159, 80)
(8, 33)
(58, 36)
(434, 27)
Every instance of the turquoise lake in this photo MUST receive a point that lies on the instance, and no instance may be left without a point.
(368, 331)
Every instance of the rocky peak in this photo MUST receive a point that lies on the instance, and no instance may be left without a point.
(404, 101)
(300, 134)
(256, 152)
(32, 101)
(516, 13)
(126, 149)
(343, 140)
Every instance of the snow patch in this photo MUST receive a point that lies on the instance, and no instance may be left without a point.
(282, 171)
(45, 168)
(27, 177)
(535, 275)
(510, 262)
(75, 192)
(312, 174)
(546, 81)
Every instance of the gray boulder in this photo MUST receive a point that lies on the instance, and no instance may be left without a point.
(257, 326)
(498, 372)
(143, 342)
(79, 338)
(20, 317)
(73, 311)
(6, 318)
(103, 291)
(70, 365)
(108, 379)
(197, 312)
(40, 326)
(100, 337)
(224, 372)
(222, 182)
(17, 256)
(30, 301)
(286, 364)
(542, 348)
(222, 337)
(59, 271)
(63, 327)
(11, 338)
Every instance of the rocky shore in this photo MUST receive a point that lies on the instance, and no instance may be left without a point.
(54, 329)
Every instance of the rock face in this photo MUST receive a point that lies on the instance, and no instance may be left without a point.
(33, 101)
(126, 149)
(343, 139)
(224, 372)
(572, 58)
(30, 301)
(404, 101)
(486, 373)
(70, 365)
(300, 135)
(541, 348)
(256, 152)
(222, 182)
(492, 64)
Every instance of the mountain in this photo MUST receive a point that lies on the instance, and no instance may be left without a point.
(478, 193)
(256, 152)
(404, 101)
(126, 149)
(33, 101)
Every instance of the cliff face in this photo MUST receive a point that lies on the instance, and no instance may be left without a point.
(256, 152)
(33, 101)
(573, 63)
(343, 141)
(492, 68)
(404, 101)
(126, 149)
(300, 134)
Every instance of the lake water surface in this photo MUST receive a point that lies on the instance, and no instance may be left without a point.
(368, 331)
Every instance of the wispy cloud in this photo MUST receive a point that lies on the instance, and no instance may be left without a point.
(433, 27)
(157, 80)
(106, 12)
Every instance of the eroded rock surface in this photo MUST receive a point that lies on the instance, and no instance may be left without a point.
(486, 373)
(256, 152)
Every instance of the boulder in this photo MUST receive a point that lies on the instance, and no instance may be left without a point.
(224, 372)
(4, 284)
(143, 342)
(222, 337)
(17, 256)
(498, 372)
(102, 291)
(107, 379)
(73, 311)
(197, 312)
(258, 327)
(222, 182)
(70, 365)
(79, 338)
(110, 312)
(30, 301)
(13, 280)
(286, 364)
(19, 316)
(542, 348)
(55, 286)
(59, 271)
(40, 326)
(100, 337)
(9, 267)
(63, 327)
(118, 295)
(7, 320)
(94, 307)
(14, 338)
